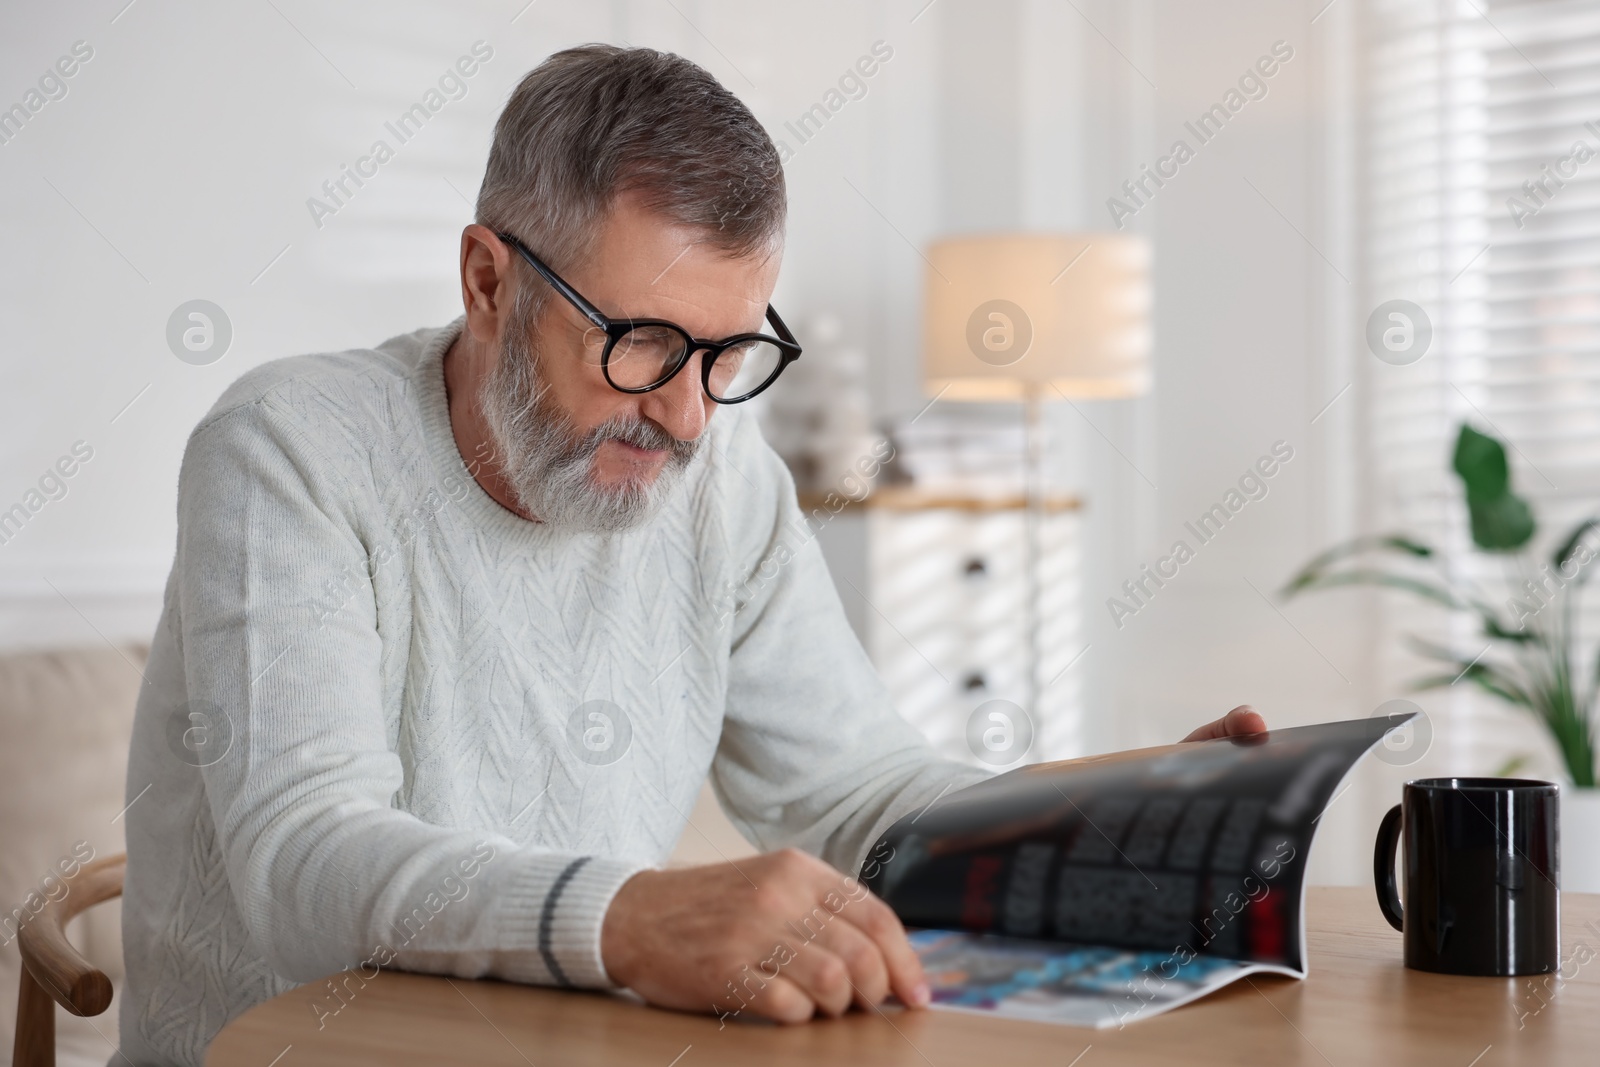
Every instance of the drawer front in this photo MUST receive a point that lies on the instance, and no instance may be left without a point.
(948, 621)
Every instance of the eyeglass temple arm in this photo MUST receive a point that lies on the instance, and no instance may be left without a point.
(778, 324)
(590, 312)
(594, 314)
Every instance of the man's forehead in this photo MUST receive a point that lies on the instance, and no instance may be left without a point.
(648, 266)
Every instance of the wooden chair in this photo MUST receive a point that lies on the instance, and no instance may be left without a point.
(53, 972)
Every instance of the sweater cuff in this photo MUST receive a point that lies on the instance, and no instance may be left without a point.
(560, 910)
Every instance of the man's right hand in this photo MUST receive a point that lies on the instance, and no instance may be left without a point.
(782, 935)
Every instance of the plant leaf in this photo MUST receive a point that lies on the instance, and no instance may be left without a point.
(1475, 667)
(1355, 546)
(1427, 590)
(1512, 765)
(1483, 679)
(1480, 460)
(1470, 668)
(1423, 647)
(1573, 734)
(1492, 628)
(1500, 524)
(1587, 707)
(1501, 520)
(1569, 547)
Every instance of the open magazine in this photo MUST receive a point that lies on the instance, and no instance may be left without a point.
(1097, 891)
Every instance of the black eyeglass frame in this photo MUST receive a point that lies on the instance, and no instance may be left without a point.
(616, 329)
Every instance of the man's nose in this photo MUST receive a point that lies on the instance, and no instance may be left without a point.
(679, 407)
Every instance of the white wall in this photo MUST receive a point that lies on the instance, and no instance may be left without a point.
(1254, 275)
(179, 164)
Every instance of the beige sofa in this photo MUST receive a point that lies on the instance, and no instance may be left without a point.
(65, 717)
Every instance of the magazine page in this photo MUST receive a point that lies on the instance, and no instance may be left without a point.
(1188, 857)
(1054, 982)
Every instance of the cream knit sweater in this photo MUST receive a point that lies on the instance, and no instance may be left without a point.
(388, 722)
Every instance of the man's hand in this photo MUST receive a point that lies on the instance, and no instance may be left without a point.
(1242, 721)
(782, 935)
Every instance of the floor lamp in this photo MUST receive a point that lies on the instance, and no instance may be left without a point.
(1032, 317)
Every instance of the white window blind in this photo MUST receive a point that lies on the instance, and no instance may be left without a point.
(1469, 100)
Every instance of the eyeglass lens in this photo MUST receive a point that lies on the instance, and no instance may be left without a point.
(646, 354)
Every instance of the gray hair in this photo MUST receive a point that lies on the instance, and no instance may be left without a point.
(593, 122)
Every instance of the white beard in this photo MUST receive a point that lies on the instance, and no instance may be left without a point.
(550, 465)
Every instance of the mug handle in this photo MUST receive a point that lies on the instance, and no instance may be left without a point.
(1383, 869)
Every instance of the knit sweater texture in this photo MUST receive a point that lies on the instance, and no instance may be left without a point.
(389, 723)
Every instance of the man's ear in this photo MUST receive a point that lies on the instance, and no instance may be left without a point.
(487, 287)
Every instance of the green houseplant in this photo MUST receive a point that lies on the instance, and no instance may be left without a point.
(1530, 657)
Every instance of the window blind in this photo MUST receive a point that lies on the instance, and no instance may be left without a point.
(1482, 193)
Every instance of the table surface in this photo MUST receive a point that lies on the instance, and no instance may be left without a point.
(1359, 1006)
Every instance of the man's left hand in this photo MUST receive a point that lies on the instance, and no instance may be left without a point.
(1242, 721)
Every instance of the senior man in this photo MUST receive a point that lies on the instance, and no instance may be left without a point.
(458, 626)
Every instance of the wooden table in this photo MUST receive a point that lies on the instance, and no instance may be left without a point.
(1358, 1007)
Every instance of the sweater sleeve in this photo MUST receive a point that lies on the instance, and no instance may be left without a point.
(813, 752)
(326, 871)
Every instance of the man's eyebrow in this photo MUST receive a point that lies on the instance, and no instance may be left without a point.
(759, 327)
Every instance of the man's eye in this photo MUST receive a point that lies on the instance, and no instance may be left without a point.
(647, 341)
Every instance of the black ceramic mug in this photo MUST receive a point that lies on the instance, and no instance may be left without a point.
(1481, 875)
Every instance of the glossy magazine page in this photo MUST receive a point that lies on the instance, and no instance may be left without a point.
(1054, 982)
(1097, 890)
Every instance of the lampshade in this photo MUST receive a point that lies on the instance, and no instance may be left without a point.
(1007, 314)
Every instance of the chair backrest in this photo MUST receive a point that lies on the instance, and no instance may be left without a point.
(53, 972)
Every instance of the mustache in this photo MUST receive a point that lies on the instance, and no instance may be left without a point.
(640, 433)
(549, 460)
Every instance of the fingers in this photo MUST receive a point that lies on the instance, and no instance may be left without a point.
(878, 922)
(1245, 720)
(867, 971)
(782, 1001)
(1241, 721)
(835, 961)
(842, 962)
(849, 947)
(822, 976)
(783, 936)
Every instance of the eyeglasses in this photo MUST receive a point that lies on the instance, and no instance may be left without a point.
(638, 355)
